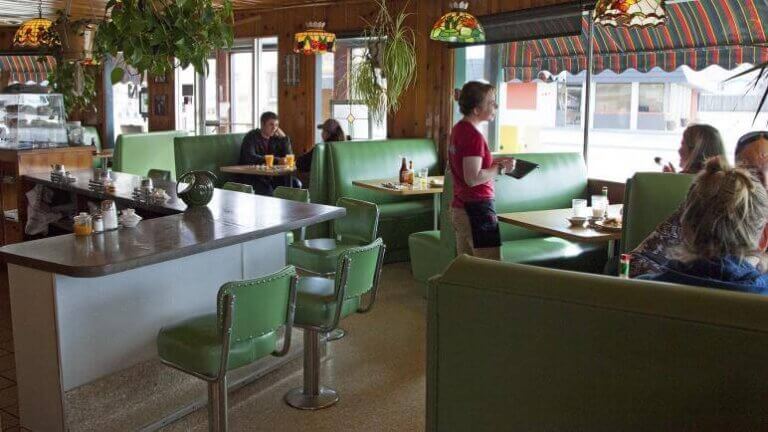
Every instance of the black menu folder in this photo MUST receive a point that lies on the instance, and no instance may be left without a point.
(522, 168)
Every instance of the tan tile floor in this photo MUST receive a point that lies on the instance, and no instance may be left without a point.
(378, 370)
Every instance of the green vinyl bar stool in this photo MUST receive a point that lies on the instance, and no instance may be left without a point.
(238, 187)
(298, 195)
(158, 174)
(319, 256)
(358, 227)
(244, 329)
(321, 303)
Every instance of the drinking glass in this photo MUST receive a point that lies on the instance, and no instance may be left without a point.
(290, 160)
(579, 207)
(599, 205)
(269, 160)
(423, 178)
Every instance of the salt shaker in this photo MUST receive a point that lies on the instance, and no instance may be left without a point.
(109, 213)
(98, 223)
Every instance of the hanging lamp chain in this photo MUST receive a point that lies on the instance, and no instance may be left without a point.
(40, 9)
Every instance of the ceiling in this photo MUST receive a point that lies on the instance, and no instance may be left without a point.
(12, 12)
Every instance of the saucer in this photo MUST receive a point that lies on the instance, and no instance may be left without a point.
(577, 221)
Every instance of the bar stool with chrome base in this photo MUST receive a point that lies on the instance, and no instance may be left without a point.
(319, 256)
(243, 330)
(321, 303)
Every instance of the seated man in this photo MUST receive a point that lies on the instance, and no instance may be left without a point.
(269, 139)
(723, 216)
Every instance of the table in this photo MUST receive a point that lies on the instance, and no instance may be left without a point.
(259, 170)
(408, 190)
(555, 223)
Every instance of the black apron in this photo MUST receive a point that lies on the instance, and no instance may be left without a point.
(484, 224)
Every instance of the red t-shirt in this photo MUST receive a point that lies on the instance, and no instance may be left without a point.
(467, 141)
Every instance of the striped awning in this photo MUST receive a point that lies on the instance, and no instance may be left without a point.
(25, 68)
(697, 34)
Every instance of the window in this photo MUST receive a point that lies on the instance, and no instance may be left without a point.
(650, 108)
(333, 93)
(613, 103)
(253, 81)
(642, 96)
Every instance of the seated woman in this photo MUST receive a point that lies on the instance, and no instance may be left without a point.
(723, 216)
(699, 143)
(331, 131)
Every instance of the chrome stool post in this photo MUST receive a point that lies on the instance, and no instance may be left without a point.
(312, 396)
(217, 405)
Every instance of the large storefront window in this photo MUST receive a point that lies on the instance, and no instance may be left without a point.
(253, 81)
(642, 96)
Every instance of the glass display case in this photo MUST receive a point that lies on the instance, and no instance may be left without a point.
(30, 120)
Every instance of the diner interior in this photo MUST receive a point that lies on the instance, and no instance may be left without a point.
(383, 215)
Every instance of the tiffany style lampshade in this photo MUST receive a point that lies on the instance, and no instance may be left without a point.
(458, 26)
(314, 40)
(630, 13)
(36, 32)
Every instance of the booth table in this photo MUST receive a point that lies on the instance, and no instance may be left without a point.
(408, 190)
(555, 223)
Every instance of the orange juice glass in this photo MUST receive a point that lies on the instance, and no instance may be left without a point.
(290, 160)
(269, 160)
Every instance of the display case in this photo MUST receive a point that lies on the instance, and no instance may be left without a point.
(29, 120)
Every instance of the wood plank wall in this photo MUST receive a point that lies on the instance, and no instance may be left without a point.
(427, 107)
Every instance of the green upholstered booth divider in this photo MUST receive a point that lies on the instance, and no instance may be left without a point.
(138, 153)
(560, 178)
(381, 159)
(649, 199)
(209, 153)
(522, 348)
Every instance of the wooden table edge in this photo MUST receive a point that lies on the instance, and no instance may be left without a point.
(604, 237)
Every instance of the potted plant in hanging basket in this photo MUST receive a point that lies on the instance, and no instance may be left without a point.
(388, 68)
(159, 35)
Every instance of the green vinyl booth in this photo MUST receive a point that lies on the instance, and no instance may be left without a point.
(138, 153)
(524, 348)
(208, 153)
(649, 199)
(336, 165)
(560, 178)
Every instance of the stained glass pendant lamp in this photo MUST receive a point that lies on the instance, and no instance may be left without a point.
(458, 26)
(630, 13)
(314, 40)
(36, 32)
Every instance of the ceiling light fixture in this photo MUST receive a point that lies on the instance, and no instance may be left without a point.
(458, 26)
(36, 32)
(630, 13)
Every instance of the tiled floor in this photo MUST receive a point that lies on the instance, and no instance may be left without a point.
(9, 408)
(378, 370)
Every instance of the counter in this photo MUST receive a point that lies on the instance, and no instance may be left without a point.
(84, 308)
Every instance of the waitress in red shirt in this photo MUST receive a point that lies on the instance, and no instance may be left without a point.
(473, 169)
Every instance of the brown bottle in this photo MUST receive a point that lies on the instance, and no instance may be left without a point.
(403, 172)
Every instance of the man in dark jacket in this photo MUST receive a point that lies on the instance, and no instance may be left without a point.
(269, 139)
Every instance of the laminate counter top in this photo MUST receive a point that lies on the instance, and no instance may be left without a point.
(230, 218)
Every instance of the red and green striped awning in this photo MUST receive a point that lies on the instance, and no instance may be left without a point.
(25, 68)
(697, 34)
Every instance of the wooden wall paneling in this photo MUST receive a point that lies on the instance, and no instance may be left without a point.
(167, 121)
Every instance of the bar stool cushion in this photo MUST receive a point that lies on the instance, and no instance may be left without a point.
(316, 302)
(317, 255)
(194, 345)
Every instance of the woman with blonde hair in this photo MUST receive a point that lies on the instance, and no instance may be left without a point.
(723, 216)
(700, 142)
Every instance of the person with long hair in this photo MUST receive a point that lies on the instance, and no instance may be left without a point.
(700, 142)
(723, 215)
(473, 171)
(331, 132)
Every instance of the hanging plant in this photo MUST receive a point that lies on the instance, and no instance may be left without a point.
(388, 68)
(159, 35)
(74, 77)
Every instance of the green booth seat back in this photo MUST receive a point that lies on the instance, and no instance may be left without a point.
(649, 199)
(138, 153)
(208, 153)
(318, 188)
(366, 160)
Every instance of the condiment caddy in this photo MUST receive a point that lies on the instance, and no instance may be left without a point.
(60, 175)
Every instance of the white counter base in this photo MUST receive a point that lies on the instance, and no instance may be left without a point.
(71, 331)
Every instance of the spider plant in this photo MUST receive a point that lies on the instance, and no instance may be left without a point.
(762, 74)
(388, 68)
